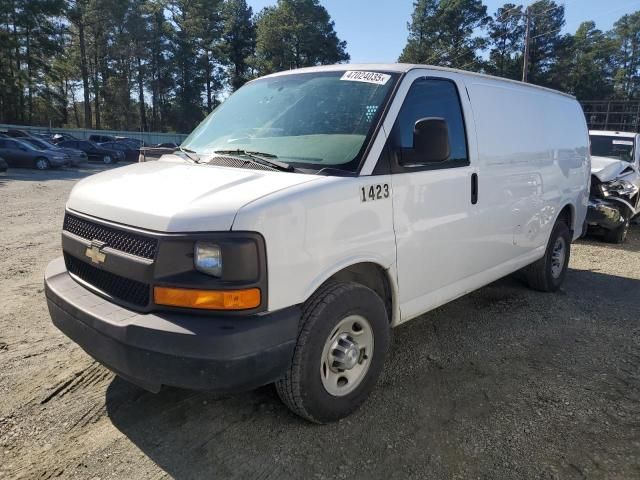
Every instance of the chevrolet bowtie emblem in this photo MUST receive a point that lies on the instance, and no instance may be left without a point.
(94, 252)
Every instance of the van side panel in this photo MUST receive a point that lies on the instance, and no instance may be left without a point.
(533, 158)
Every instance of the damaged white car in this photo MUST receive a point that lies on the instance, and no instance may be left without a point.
(615, 182)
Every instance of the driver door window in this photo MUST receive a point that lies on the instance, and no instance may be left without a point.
(430, 97)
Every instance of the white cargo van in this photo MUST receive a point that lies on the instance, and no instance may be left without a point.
(309, 214)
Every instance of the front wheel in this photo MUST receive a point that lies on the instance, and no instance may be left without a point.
(547, 274)
(107, 160)
(42, 163)
(339, 355)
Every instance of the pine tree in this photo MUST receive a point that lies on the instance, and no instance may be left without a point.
(294, 34)
(442, 32)
(546, 21)
(238, 41)
(584, 64)
(626, 34)
(506, 41)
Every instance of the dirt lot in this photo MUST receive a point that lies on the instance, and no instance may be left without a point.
(503, 383)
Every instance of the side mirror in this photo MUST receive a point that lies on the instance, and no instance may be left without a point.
(431, 140)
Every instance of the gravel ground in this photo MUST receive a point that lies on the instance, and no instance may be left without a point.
(502, 383)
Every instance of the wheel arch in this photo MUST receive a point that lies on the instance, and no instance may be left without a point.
(41, 157)
(568, 214)
(371, 274)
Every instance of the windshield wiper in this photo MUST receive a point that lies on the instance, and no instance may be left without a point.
(187, 151)
(261, 158)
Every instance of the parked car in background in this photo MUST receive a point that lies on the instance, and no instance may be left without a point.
(15, 133)
(43, 136)
(3, 165)
(76, 157)
(129, 151)
(101, 138)
(62, 137)
(94, 152)
(614, 199)
(134, 142)
(22, 154)
(167, 145)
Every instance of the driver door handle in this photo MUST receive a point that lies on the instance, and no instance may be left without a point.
(474, 188)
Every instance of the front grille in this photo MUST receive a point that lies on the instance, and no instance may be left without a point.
(125, 289)
(127, 242)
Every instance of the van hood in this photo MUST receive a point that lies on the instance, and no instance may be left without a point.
(606, 169)
(171, 195)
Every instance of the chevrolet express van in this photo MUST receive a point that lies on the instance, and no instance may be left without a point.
(308, 215)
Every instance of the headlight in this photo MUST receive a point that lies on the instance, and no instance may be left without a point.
(207, 258)
(619, 188)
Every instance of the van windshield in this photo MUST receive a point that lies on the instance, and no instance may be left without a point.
(620, 148)
(308, 120)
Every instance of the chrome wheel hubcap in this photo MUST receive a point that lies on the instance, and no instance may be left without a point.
(346, 355)
(558, 255)
(42, 164)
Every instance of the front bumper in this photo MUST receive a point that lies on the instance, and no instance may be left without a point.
(605, 214)
(59, 162)
(200, 352)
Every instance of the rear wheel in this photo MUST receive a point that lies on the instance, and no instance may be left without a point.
(339, 355)
(42, 163)
(547, 274)
(107, 160)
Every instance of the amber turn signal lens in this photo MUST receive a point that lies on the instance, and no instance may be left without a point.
(207, 299)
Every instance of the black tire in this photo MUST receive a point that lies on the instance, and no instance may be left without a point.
(617, 235)
(41, 163)
(540, 274)
(302, 388)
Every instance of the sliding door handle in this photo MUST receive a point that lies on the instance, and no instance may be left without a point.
(474, 188)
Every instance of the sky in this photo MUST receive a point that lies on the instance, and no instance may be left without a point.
(376, 30)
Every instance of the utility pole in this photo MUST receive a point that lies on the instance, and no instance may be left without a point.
(525, 63)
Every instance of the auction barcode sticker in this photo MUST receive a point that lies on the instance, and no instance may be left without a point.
(366, 77)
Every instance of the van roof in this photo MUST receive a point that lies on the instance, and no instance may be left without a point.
(406, 67)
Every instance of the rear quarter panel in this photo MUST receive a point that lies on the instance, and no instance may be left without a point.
(533, 153)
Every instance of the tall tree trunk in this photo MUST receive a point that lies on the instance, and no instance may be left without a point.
(29, 76)
(75, 107)
(208, 75)
(85, 74)
(20, 110)
(64, 92)
(104, 92)
(96, 85)
(143, 113)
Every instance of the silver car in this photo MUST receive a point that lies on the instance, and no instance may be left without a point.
(76, 157)
(22, 154)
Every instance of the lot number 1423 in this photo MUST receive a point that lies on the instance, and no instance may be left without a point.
(374, 192)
